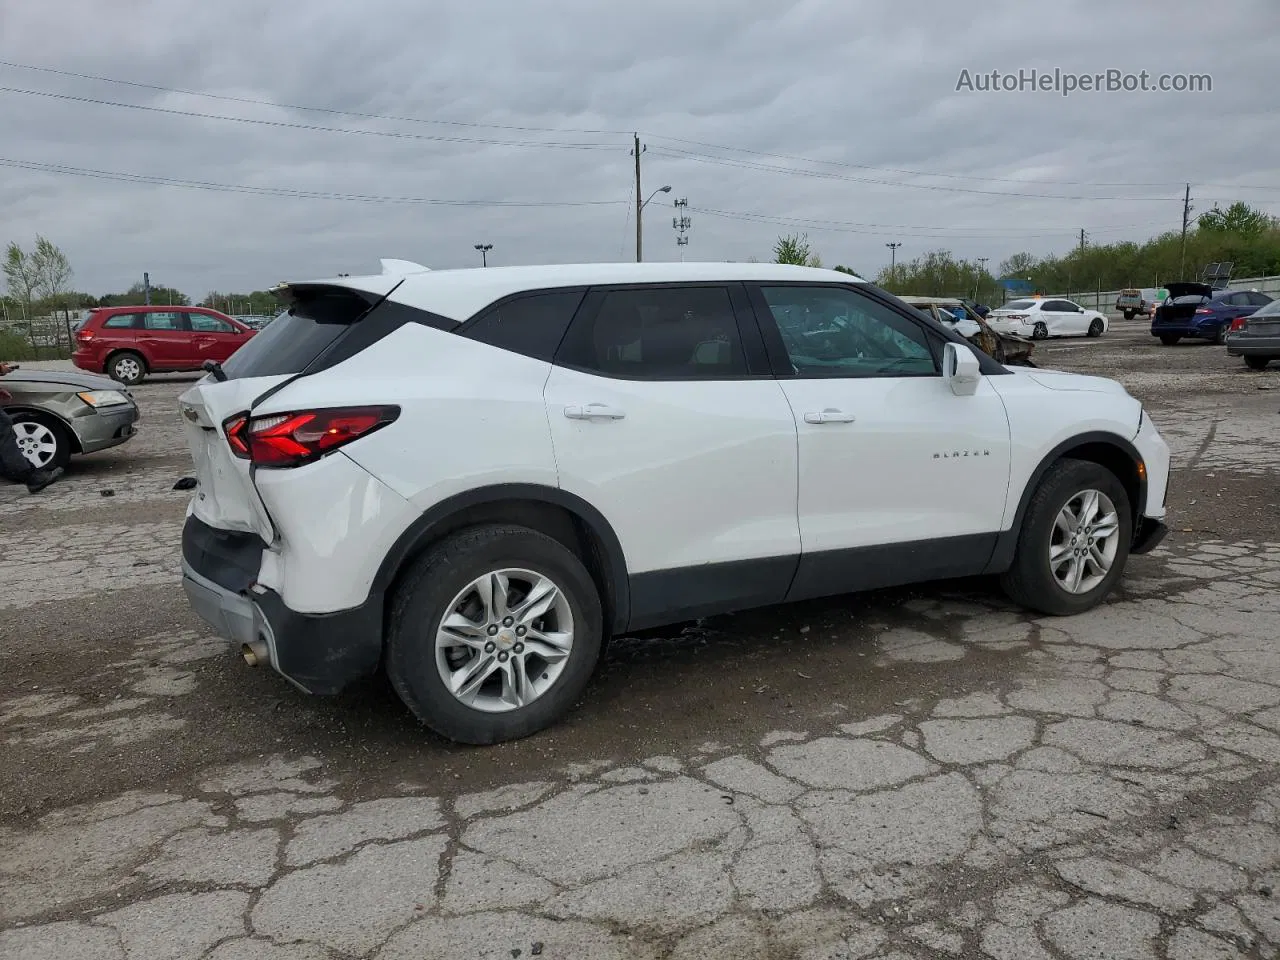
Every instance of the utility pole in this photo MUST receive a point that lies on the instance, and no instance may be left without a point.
(636, 151)
(680, 223)
(982, 270)
(484, 249)
(1082, 241)
(893, 257)
(146, 288)
(1186, 219)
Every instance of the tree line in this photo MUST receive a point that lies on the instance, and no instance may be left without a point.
(1248, 237)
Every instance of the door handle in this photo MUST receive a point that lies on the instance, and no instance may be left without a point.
(593, 411)
(829, 415)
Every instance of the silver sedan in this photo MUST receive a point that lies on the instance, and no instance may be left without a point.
(58, 413)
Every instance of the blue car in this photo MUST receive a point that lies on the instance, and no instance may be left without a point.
(1199, 312)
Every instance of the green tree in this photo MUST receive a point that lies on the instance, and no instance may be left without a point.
(794, 248)
(1019, 265)
(22, 276)
(936, 274)
(1239, 218)
(258, 302)
(53, 272)
(137, 295)
(841, 268)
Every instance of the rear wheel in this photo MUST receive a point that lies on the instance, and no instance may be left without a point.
(1074, 540)
(43, 440)
(1221, 336)
(1095, 328)
(494, 634)
(1128, 314)
(127, 367)
(1040, 331)
(1257, 363)
(1169, 339)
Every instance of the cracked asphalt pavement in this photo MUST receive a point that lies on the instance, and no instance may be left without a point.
(919, 773)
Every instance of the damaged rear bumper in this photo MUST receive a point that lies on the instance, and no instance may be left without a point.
(319, 653)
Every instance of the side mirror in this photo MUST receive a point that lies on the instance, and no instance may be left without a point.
(960, 369)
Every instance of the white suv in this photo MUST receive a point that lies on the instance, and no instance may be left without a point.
(473, 478)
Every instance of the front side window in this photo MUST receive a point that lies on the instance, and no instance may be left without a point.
(662, 333)
(205, 323)
(835, 332)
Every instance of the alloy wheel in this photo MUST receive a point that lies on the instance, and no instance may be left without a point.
(1085, 540)
(504, 640)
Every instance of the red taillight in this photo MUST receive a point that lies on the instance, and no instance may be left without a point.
(292, 439)
(84, 336)
(1238, 324)
(1204, 310)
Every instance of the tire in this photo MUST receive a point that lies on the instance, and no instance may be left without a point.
(1031, 580)
(1095, 328)
(127, 367)
(431, 591)
(1128, 314)
(1220, 337)
(1257, 363)
(1169, 339)
(1040, 331)
(43, 440)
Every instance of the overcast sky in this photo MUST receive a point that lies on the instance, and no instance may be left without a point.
(819, 110)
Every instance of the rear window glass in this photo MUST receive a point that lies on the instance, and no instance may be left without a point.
(1272, 309)
(1018, 305)
(1193, 298)
(297, 336)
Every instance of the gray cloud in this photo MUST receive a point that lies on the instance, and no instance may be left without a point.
(820, 79)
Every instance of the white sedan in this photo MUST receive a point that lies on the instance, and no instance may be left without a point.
(1040, 319)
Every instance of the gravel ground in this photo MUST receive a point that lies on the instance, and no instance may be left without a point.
(911, 773)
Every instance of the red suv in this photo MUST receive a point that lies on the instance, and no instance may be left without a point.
(127, 343)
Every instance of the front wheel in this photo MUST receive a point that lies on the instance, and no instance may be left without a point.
(1257, 363)
(1074, 540)
(494, 634)
(1169, 339)
(1128, 314)
(1095, 328)
(43, 441)
(1040, 331)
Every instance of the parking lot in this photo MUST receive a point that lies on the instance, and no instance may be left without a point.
(924, 772)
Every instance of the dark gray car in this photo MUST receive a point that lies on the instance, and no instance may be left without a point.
(58, 413)
(1256, 337)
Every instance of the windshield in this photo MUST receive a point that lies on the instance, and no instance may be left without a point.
(1019, 305)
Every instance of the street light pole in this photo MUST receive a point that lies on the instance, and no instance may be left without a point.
(893, 251)
(484, 249)
(640, 211)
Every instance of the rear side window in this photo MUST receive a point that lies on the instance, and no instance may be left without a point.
(120, 321)
(532, 325)
(664, 333)
(162, 321)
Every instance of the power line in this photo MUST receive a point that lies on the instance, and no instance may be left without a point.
(394, 134)
(605, 132)
(822, 175)
(291, 192)
(873, 229)
(310, 109)
(947, 176)
(840, 226)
